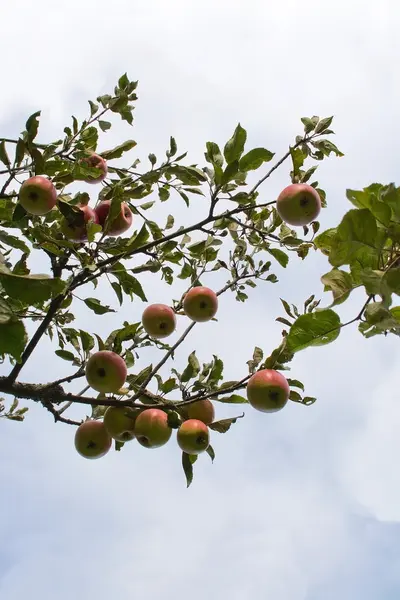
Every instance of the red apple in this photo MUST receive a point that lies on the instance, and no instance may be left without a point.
(106, 372)
(159, 320)
(193, 436)
(122, 221)
(98, 162)
(268, 390)
(152, 429)
(120, 422)
(38, 195)
(203, 410)
(76, 231)
(92, 440)
(200, 304)
(298, 204)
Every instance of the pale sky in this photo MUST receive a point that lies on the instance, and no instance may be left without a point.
(300, 505)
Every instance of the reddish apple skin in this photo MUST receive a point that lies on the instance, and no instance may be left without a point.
(106, 371)
(193, 436)
(203, 410)
(152, 429)
(268, 391)
(121, 223)
(298, 204)
(79, 233)
(97, 161)
(159, 320)
(37, 195)
(200, 304)
(92, 440)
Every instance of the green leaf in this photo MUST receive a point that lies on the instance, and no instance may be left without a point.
(192, 369)
(172, 147)
(308, 123)
(392, 280)
(64, 354)
(96, 306)
(31, 288)
(163, 193)
(138, 239)
(87, 340)
(223, 425)
(323, 124)
(5, 312)
(234, 147)
(230, 172)
(254, 159)
(280, 256)
(13, 339)
(14, 242)
(187, 463)
(233, 399)
(313, 329)
(214, 155)
(93, 108)
(211, 453)
(32, 125)
(367, 199)
(296, 383)
(355, 240)
(118, 151)
(324, 240)
(3, 154)
(339, 283)
(104, 125)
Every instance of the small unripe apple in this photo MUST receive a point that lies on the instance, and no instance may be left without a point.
(203, 410)
(122, 221)
(298, 204)
(106, 372)
(268, 390)
(97, 162)
(152, 429)
(159, 320)
(76, 231)
(193, 436)
(92, 440)
(200, 304)
(38, 195)
(120, 422)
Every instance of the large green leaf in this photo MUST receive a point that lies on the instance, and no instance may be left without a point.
(254, 159)
(313, 329)
(340, 283)
(355, 240)
(234, 147)
(13, 339)
(118, 151)
(368, 199)
(31, 288)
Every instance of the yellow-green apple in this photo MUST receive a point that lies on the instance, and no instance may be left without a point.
(268, 390)
(193, 436)
(98, 162)
(152, 429)
(298, 204)
(200, 304)
(122, 221)
(38, 195)
(120, 422)
(92, 439)
(203, 410)
(159, 320)
(76, 230)
(106, 371)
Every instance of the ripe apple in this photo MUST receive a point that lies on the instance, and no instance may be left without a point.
(122, 221)
(120, 422)
(152, 429)
(106, 371)
(268, 390)
(193, 436)
(298, 204)
(97, 162)
(200, 304)
(76, 231)
(203, 410)
(159, 320)
(92, 440)
(38, 195)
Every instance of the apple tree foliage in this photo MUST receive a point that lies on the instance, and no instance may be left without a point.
(240, 236)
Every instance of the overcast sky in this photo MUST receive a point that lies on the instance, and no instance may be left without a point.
(301, 505)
